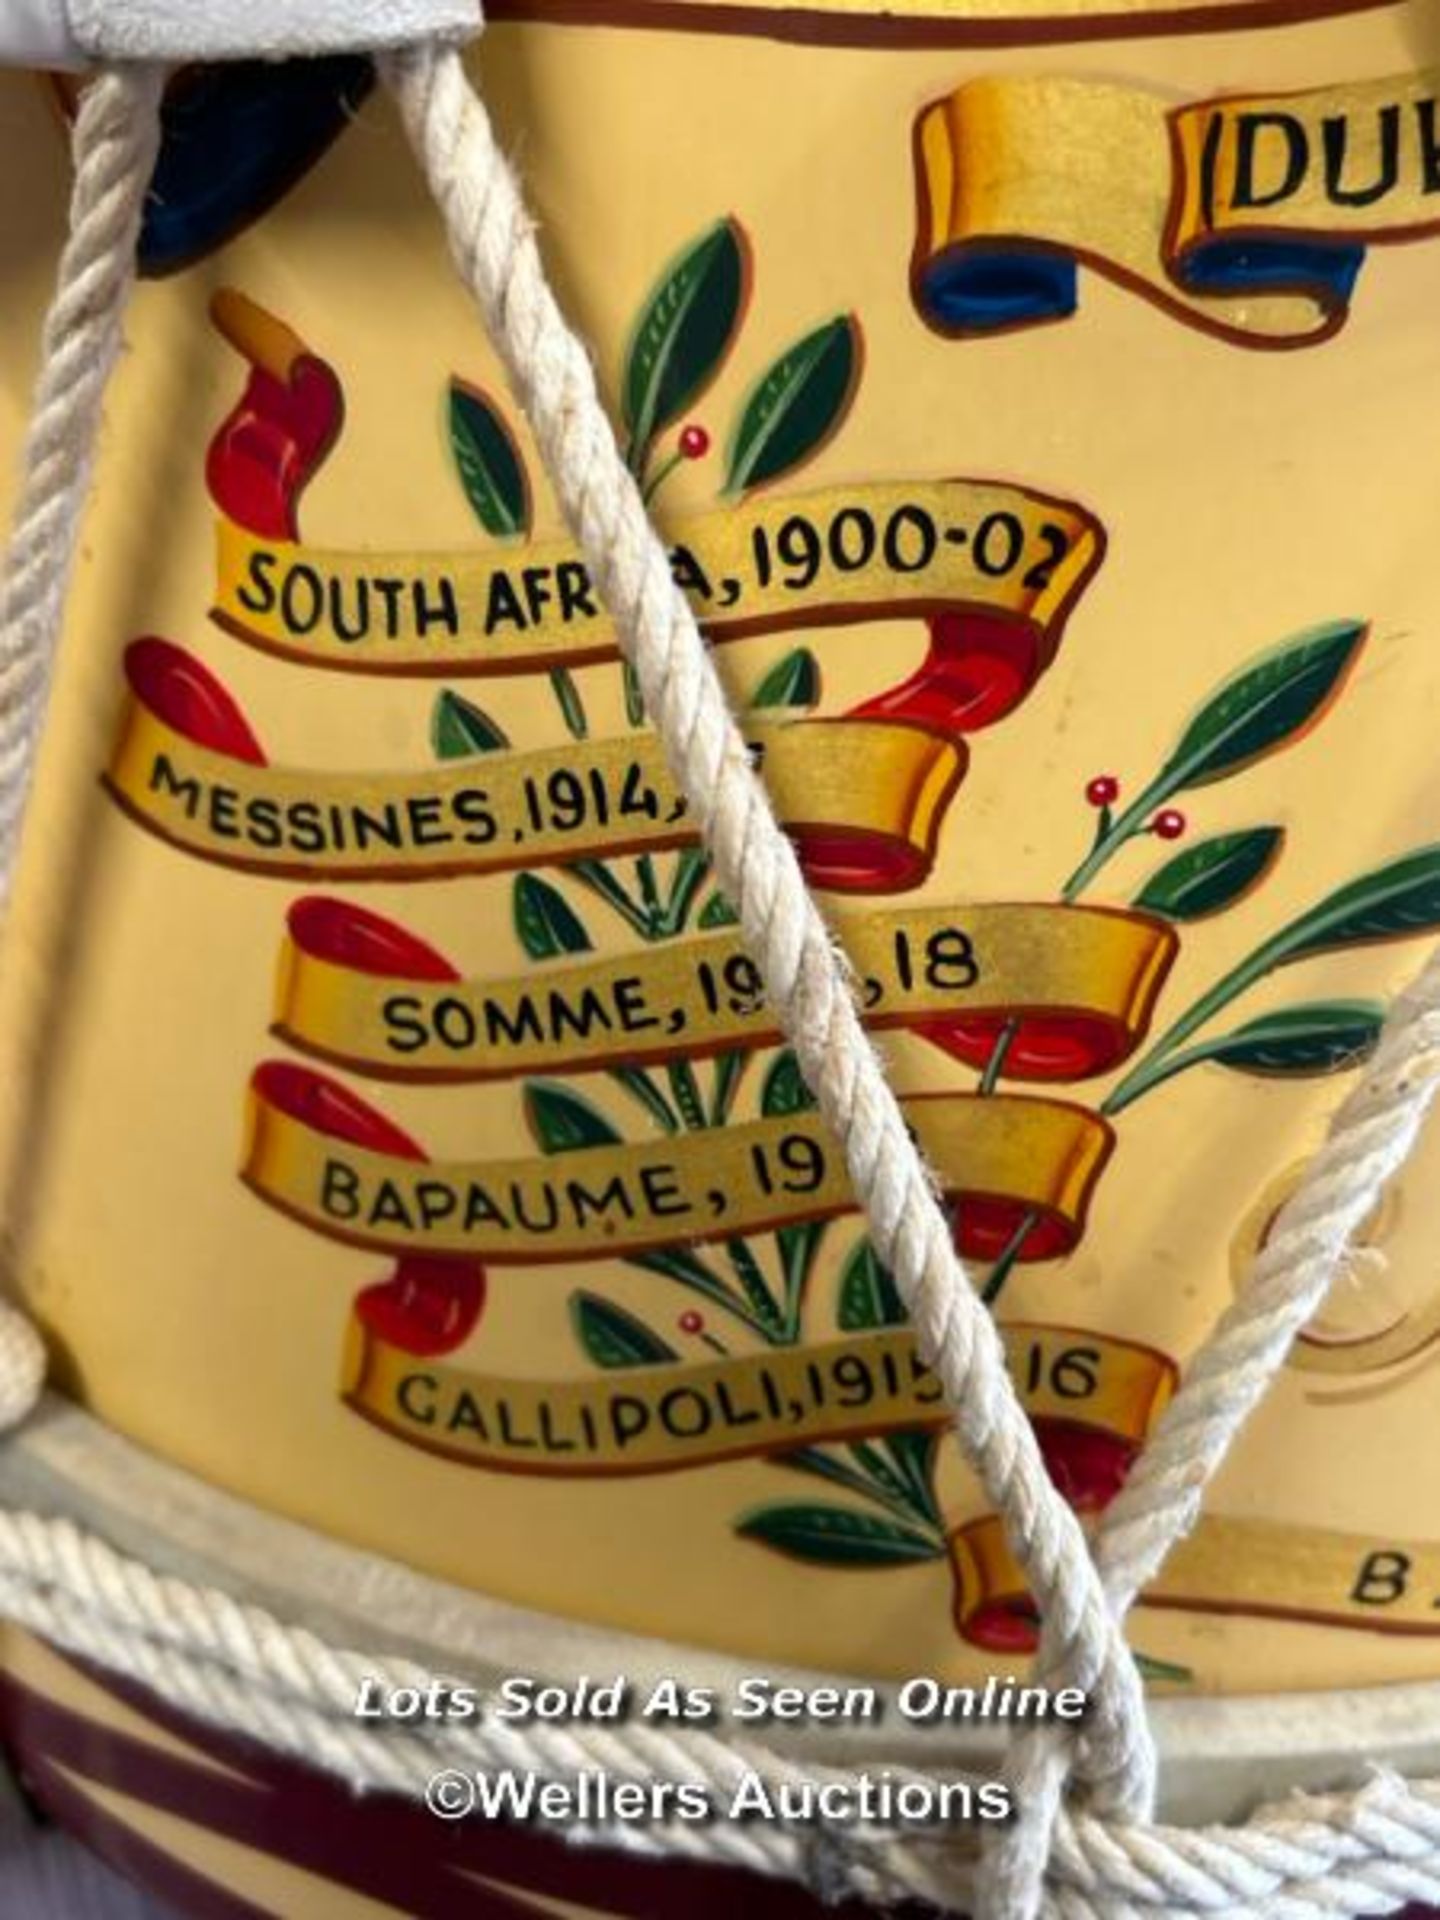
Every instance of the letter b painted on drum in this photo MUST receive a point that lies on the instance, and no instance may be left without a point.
(1382, 1578)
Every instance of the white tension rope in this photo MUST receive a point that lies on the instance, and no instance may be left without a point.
(1082, 1841)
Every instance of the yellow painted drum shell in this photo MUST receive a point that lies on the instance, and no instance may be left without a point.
(394, 1137)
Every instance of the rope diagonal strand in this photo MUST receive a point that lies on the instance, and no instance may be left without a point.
(115, 141)
(494, 245)
(1371, 1135)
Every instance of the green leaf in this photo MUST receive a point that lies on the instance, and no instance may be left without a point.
(758, 1297)
(728, 1069)
(1392, 903)
(827, 1463)
(562, 1121)
(913, 1451)
(567, 698)
(682, 1265)
(614, 1338)
(596, 875)
(545, 921)
(836, 1536)
(691, 871)
(489, 465)
(870, 1475)
(1320, 1036)
(639, 1085)
(458, 729)
(796, 404)
(783, 1090)
(1212, 874)
(685, 1091)
(868, 1296)
(886, 1482)
(797, 1247)
(1149, 1668)
(1324, 1036)
(1266, 704)
(684, 331)
(791, 682)
(717, 912)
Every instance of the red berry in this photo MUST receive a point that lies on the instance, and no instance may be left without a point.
(694, 442)
(1169, 825)
(1103, 790)
(691, 1322)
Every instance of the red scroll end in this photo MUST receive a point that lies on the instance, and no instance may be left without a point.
(1087, 1464)
(979, 668)
(1010, 1623)
(365, 942)
(984, 1224)
(431, 1303)
(1049, 1046)
(841, 860)
(325, 1106)
(187, 696)
(993, 1608)
(267, 450)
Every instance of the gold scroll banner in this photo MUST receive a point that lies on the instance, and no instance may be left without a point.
(819, 559)
(879, 787)
(1246, 216)
(916, 967)
(1266, 1568)
(658, 1419)
(594, 1203)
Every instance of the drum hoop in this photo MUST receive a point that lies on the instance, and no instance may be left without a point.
(1220, 1753)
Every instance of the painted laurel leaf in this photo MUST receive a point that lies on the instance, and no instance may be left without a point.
(614, 1338)
(728, 1069)
(718, 912)
(797, 1247)
(1324, 1036)
(1212, 874)
(458, 729)
(1391, 903)
(868, 1297)
(684, 332)
(913, 1453)
(545, 921)
(640, 1086)
(836, 1536)
(796, 404)
(677, 1263)
(562, 1121)
(791, 682)
(567, 698)
(784, 1090)
(1270, 701)
(758, 1296)
(488, 463)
